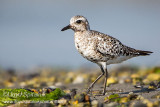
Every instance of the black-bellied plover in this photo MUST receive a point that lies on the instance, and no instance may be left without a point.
(99, 48)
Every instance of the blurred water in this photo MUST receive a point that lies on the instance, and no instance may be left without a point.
(30, 30)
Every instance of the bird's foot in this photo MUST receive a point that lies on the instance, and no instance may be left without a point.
(89, 90)
(104, 92)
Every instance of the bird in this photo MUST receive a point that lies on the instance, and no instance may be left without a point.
(99, 48)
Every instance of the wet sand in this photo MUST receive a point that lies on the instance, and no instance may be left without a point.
(121, 89)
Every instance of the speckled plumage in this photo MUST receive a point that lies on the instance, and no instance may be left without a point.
(98, 47)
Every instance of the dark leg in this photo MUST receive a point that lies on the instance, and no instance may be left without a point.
(91, 86)
(105, 81)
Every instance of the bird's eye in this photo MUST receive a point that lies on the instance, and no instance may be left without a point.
(78, 21)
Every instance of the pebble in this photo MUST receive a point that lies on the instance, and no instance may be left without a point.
(58, 84)
(153, 77)
(78, 80)
(62, 101)
(52, 87)
(94, 103)
(87, 98)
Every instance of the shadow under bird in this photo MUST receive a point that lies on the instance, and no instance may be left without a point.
(99, 48)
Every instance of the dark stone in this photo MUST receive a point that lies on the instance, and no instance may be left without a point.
(73, 93)
(153, 84)
(158, 84)
(67, 96)
(81, 98)
(48, 90)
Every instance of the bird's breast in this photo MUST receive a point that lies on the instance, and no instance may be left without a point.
(85, 46)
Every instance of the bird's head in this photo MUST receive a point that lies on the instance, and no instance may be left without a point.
(78, 23)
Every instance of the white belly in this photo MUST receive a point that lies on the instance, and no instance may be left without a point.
(118, 59)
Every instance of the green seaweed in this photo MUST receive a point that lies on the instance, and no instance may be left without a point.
(112, 98)
(11, 96)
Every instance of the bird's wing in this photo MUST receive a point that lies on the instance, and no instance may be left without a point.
(112, 48)
(109, 46)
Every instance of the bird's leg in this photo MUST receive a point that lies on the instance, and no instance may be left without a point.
(91, 86)
(105, 81)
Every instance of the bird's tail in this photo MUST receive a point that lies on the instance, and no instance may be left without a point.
(143, 53)
(138, 52)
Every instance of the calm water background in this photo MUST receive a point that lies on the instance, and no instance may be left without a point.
(30, 30)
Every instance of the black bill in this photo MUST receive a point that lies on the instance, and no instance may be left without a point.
(65, 28)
